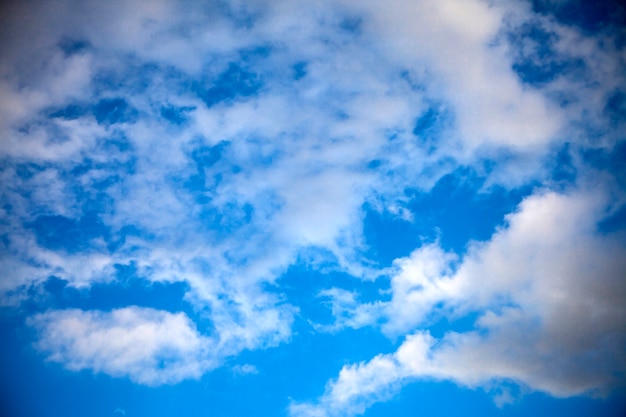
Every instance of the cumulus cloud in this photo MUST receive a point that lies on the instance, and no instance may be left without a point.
(149, 346)
(547, 289)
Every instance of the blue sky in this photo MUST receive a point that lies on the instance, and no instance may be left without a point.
(312, 209)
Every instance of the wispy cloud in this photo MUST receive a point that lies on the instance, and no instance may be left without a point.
(245, 369)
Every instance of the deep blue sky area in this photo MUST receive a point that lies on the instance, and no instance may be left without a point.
(312, 209)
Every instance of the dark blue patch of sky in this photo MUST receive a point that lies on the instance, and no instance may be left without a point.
(176, 115)
(299, 70)
(541, 63)
(588, 15)
(57, 232)
(233, 83)
(71, 46)
(452, 213)
(127, 289)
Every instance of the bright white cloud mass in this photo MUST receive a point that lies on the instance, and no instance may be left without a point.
(550, 299)
(149, 346)
(188, 187)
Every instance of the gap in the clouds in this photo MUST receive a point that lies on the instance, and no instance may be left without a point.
(227, 219)
(426, 121)
(83, 228)
(217, 164)
(93, 193)
(176, 115)
(58, 232)
(615, 107)
(608, 160)
(563, 171)
(612, 162)
(131, 77)
(234, 82)
(126, 290)
(537, 61)
(86, 185)
(299, 70)
(447, 323)
(352, 24)
(70, 112)
(429, 125)
(72, 46)
(389, 236)
(252, 54)
(26, 170)
(304, 283)
(615, 222)
(204, 179)
(589, 15)
(212, 164)
(106, 111)
(243, 16)
(113, 110)
(206, 156)
(454, 212)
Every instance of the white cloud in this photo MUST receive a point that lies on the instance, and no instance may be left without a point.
(454, 41)
(548, 290)
(149, 346)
